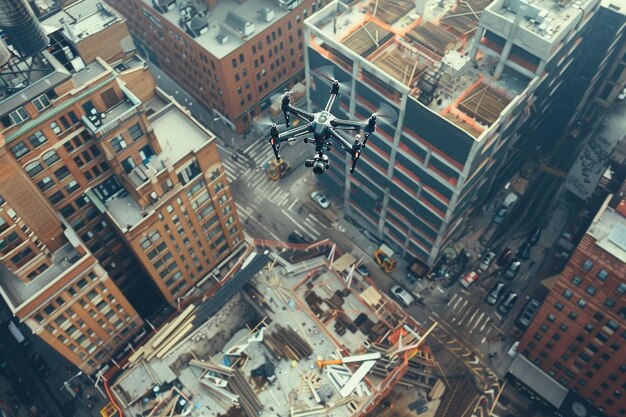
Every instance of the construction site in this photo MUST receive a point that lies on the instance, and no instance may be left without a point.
(307, 335)
(422, 52)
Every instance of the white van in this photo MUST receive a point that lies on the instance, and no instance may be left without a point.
(17, 334)
(509, 200)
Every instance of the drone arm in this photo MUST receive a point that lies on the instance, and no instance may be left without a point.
(342, 124)
(334, 92)
(295, 132)
(302, 114)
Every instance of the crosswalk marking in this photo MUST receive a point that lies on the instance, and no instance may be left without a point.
(482, 314)
(313, 234)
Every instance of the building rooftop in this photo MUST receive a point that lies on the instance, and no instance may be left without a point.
(17, 292)
(420, 51)
(178, 133)
(83, 19)
(609, 231)
(224, 28)
(305, 316)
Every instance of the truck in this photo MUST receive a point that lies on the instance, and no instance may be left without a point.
(416, 270)
(384, 257)
(17, 334)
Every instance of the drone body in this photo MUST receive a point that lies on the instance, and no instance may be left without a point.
(322, 127)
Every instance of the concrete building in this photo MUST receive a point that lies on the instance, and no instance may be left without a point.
(466, 93)
(230, 55)
(579, 333)
(113, 199)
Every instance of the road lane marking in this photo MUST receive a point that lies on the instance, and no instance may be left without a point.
(464, 316)
(477, 322)
(485, 323)
(471, 320)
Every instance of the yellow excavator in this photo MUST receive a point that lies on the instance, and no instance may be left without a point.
(384, 257)
(277, 169)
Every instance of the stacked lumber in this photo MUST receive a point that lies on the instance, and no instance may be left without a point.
(167, 337)
(285, 343)
(248, 400)
(390, 11)
(433, 38)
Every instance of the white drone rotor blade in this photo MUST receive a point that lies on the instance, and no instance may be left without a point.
(387, 113)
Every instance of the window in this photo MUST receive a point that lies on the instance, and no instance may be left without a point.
(41, 102)
(50, 157)
(576, 280)
(610, 303)
(589, 327)
(598, 316)
(558, 306)
(33, 168)
(591, 290)
(37, 139)
(128, 164)
(613, 325)
(601, 337)
(135, 131)
(55, 128)
(621, 288)
(62, 173)
(56, 197)
(573, 316)
(587, 265)
(567, 293)
(72, 186)
(45, 183)
(603, 275)
(68, 210)
(582, 303)
(19, 115)
(118, 143)
(551, 317)
(20, 150)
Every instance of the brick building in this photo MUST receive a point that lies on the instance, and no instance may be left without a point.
(113, 199)
(578, 336)
(231, 55)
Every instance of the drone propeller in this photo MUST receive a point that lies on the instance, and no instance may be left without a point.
(387, 113)
(331, 73)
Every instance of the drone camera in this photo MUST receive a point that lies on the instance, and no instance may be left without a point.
(319, 164)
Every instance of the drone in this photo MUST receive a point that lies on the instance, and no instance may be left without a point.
(323, 126)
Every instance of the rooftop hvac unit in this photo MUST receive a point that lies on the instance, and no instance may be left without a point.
(222, 38)
(22, 27)
(163, 6)
(265, 14)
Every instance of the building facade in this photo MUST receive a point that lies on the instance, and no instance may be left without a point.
(113, 200)
(579, 334)
(230, 55)
(465, 94)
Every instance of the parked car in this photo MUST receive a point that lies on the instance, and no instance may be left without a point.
(507, 304)
(297, 237)
(495, 293)
(509, 200)
(513, 270)
(534, 238)
(40, 365)
(402, 295)
(504, 257)
(527, 314)
(486, 261)
(524, 251)
(320, 199)
(468, 279)
(500, 215)
(363, 270)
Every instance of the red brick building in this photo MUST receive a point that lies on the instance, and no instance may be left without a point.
(231, 55)
(579, 334)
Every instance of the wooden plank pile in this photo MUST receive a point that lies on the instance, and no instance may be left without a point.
(433, 38)
(167, 337)
(390, 11)
(464, 19)
(367, 39)
(484, 104)
(403, 68)
(248, 400)
(285, 343)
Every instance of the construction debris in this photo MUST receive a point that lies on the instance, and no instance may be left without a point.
(285, 343)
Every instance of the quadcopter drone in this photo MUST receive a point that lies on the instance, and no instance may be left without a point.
(323, 126)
